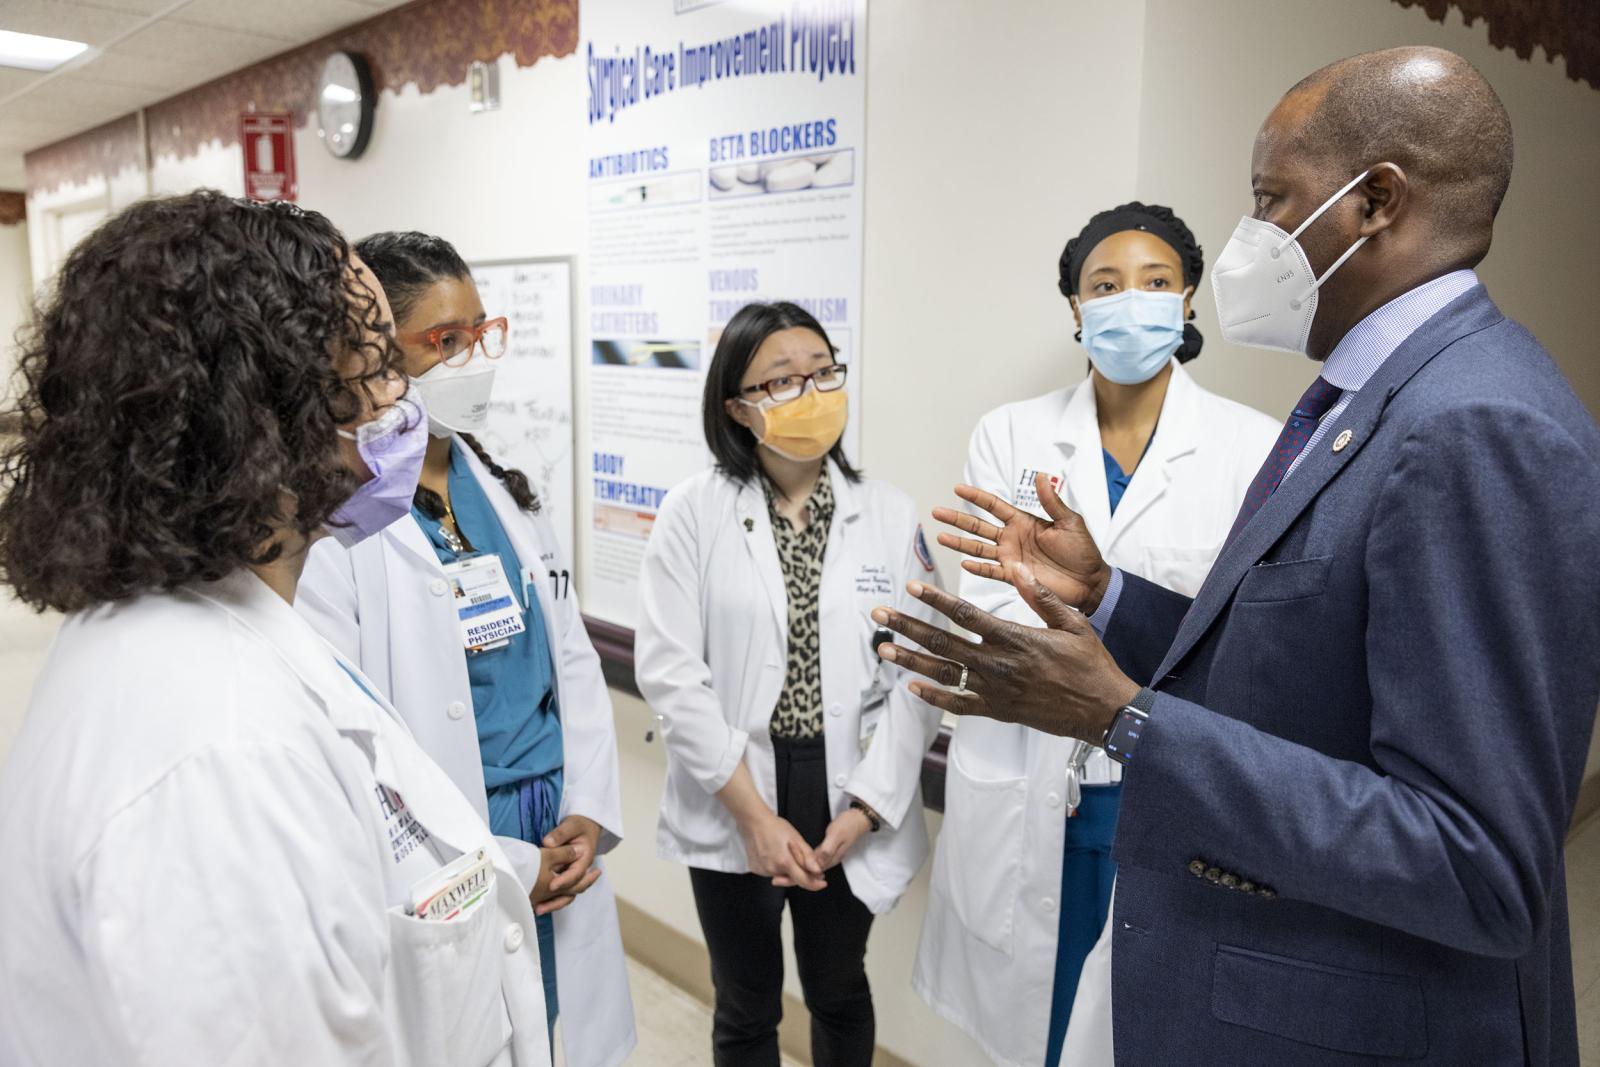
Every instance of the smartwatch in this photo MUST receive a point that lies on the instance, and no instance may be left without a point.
(1122, 736)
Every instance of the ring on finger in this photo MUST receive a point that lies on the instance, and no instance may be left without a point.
(961, 686)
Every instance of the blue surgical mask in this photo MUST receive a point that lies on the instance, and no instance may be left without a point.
(1131, 336)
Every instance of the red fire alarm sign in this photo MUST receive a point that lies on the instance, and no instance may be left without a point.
(267, 140)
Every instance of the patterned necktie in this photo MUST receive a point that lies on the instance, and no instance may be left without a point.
(1296, 432)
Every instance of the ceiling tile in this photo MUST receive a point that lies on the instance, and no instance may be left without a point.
(47, 106)
(169, 39)
(170, 75)
(23, 133)
(12, 79)
(175, 56)
(129, 7)
(82, 103)
(85, 89)
(290, 22)
(89, 23)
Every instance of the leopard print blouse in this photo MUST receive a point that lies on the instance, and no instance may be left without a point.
(798, 715)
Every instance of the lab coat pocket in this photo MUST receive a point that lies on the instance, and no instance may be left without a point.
(1183, 570)
(446, 981)
(979, 863)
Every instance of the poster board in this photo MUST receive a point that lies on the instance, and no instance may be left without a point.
(531, 411)
(724, 156)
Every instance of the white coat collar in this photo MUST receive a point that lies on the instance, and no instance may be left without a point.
(1078, 431)
(847, 501)
(407, 534)
(397, 761)
(750, 508)
(316, 663)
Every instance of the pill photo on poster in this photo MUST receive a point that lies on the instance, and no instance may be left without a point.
(793, 174)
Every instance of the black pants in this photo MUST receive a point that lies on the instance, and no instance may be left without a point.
(741, 915)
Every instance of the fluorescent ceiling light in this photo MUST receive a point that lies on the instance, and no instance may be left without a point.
(31, 52)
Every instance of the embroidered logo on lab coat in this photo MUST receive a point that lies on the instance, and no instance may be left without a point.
(404, 832)
(920, 544)
(1025, 495)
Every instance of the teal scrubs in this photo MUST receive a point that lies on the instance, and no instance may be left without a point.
(513, 696)
(1087, 873)
(1116, 480)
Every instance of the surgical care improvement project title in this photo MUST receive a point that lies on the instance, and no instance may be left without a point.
(818, 42)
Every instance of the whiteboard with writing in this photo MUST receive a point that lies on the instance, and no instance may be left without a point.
(530, 415)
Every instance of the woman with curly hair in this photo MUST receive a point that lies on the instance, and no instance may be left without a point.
(1157, 466)
(217, 845)
(511, 702)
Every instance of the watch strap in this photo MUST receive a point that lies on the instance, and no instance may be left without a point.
(874, 820)
(1122, 737)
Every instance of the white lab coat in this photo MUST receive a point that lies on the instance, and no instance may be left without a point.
(710, 655)
(987, 956)
(197, 868)
(385, 605)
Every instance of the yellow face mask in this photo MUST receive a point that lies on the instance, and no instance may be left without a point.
(804, 428)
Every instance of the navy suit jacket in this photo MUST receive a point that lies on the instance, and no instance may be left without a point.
(1341, 834)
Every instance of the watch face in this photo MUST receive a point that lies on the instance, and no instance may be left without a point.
(1123, 737)
(344, 105)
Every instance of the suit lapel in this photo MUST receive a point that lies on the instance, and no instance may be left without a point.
(1468, 313)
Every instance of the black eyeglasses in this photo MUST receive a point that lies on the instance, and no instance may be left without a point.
(790, 386)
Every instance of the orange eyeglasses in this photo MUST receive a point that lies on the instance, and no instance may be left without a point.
(457, 343)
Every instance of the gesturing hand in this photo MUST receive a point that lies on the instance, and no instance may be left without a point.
(1060, 553)
(1060, 680)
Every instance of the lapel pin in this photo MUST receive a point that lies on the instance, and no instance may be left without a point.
(749, 525)
(1342, 440)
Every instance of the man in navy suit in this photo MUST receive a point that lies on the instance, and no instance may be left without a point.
(1353, 757)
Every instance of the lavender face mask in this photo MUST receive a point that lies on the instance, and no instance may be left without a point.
(392, 446)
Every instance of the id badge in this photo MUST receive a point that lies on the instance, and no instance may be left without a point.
(487, 610)
(455, 889)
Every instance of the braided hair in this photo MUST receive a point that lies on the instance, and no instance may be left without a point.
(1156, 220)
(407, 265)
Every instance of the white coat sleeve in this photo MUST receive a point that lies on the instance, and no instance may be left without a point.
(235, 913)
(990, 466)
(890, 772)
(326, 597)
(525, 857)
(670, 651)
(588, 723)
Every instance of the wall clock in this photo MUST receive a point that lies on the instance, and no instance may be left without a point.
(344, 105)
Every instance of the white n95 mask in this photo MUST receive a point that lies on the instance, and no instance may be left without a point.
(1266, 292)
(457, 397)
